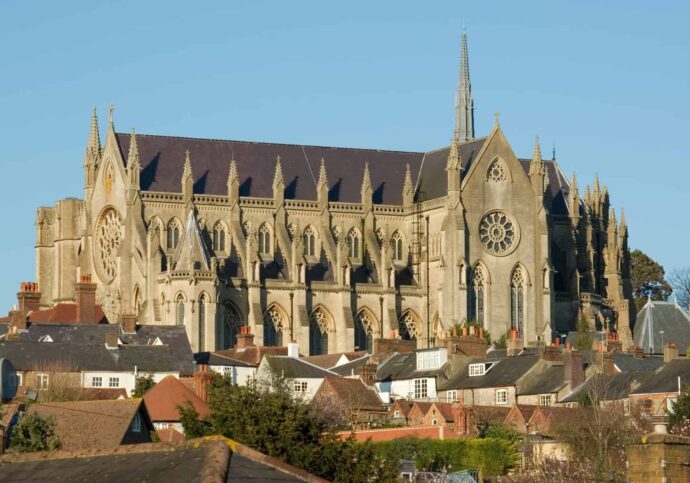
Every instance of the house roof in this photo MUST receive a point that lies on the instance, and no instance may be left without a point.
(62, 313)
(216, 359)
(626, 362)
(610, 387)
(525, 410)
(546, 378)
(505, 372)
(403, 366)
(445, 409)
(102, 393)
(656, 317)
(329, 361)
(96, 425)
(252, 355)
(163, 399)
(667, 379)
(169, 435)
(403, 405)
(351, 392)
(296, 368)
(351, 368)
(388, 434)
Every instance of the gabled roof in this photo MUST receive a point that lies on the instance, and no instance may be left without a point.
(445, 409)
(216, 359)
(163, 399)
(351, 368)
(292, 367)
(667, 379)
(252, 355)
(403, 405)
(62, 313)
(403, 366)
(352, 392)
(546, 378)
(626, 362)
(93, 425)
(656, 317)
(329, 361)
(505, 372)
(610, 387)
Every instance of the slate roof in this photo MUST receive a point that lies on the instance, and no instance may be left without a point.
(163, 399)
(629, 363)
(662, 316)
(329, 361)
(93, 425)
(296, 368)
(351, 368)
(666, 379)
(612, 387)
(216, 359)
(350, 391)
(548, 379)
(252, 355)
(506, 372)
(403, 366)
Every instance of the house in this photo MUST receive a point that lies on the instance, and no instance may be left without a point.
(472, 420)
(388, 434)
(659, 323)
(97, 425)
(163, 399)
(304, 377)
(519, 416)
(411, 375)
(657, 394)
(240, 372)
(349, 402)
(608, 389)
(545, 385)
(544, 417)
(440, 414)
(417, 414)
(192, 461)
(331, 361)
(399, 411)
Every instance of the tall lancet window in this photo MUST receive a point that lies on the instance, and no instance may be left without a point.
(219, 238)
(478, 296)
(309, 242)
(173, 234)
(517, 301)
(202, 323)
(264, 240)
(180, 309)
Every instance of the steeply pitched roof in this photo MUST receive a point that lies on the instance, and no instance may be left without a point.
(656, 317)
(94, 425)
(163, 399)
(445, 409)
(667, 379)
(351, 392)
(626, 362)
(293, 367)
(609, 387)
(505, 372)
(252, 355)
(544, 380)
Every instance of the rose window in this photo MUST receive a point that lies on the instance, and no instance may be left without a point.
(107, 239)
(498, 233)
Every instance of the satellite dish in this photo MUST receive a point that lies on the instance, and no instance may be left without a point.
(8, 380)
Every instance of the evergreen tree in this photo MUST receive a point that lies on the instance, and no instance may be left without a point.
(142, 385)
(34, 433)
(679, 418)
(647, 277)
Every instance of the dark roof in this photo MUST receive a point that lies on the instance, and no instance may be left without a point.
(662, 316)
(216, 359)
(294, 367)
(626, 362)
(351, 368)
(609, 387)
(403, 366)
(544, 381)
(252, 355)
(667, 379)
(506, 372)
(328, 361)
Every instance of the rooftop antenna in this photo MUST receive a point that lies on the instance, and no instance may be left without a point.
(553, 153)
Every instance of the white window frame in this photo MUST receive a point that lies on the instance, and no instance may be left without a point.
(113, 382)
(452, 396)
(301, 386)
(42, 380)
(136, 423)
(396, 413)
(477, 369)
(421, 389)
(20, 379)
(96, 381)
(545, 400)
(160, 425)
(501, 397)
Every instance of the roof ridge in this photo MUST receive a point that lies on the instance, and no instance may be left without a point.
(459, 144)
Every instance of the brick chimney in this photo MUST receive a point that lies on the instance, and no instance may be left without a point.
(245, 338)
(202, 381)
(515, 344)
(29, 297)
(17, 319)
(367, 372)
(129, 324)
(573, 371)
(111, 339)
(670, 352)
(613, 344)
(86, 300)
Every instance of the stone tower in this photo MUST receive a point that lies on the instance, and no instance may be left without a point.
(464, 105)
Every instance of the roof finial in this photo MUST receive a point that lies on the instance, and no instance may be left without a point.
(111, 108)
(464, 105)
(537, 165)
(366, 179)
(553, 152)
(232, 175)
(454, 161)
(497, 115)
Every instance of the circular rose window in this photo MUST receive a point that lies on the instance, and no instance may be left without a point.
(498, 233)
(107, 237)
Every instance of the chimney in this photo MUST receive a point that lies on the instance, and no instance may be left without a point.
(515, 344)
(293, 349)
(637, 351)
(670, 352)
(29, 297)
(613, 344)
(245, 338)
(367, 372)
(17, 319)
(129, 324)
(384, 347)
(573, 372)
(112, 339)
(551, 353)
(202, 381)
(86, 301)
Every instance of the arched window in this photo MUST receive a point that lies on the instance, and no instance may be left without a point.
(517, 301)
(137, 301)
(496, 172)
(353, 244)
(180, 309)
(478, 296)
(409, 325)
(173, 234)
(264, 240)
(274, 321)
(397, 245)
(309, 239)
(219, 238)
(364, 330)
(108, 178)
(319, 327)
(202, 323)
(231, 325)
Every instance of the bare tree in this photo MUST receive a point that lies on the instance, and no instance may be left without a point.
(679, 279)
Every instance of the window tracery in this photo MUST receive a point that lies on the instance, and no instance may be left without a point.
(219, 237)
(517, 300)
(309, 238)
(108, 237)
(353, 244)
(496, 172)
(264, 240)
(498, 233)
(478, 295)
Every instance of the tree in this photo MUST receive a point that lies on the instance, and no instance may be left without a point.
(142, 385)
(679, 418)
(680, 282)
(583, 342)
(647, 279)
(34, 433)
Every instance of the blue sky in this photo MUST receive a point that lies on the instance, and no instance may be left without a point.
(606, 81)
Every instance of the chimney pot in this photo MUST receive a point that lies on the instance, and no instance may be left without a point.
(86, 301)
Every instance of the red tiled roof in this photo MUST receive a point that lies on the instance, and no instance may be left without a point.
(163, 398)
(103, 393)
(350, 392)
(446, 410)
(63, 313)
(169, 435)
(403, 405)
(252, 355)
(422, 432)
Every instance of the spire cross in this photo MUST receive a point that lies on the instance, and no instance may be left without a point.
(111, 108)
(497, 115)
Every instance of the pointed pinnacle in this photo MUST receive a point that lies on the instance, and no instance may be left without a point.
(366, 179)
(93, 147)
(573, 184)
(323, 179)
(232, 175)
(133, 156)
(612, 217)
(407, 184)
(537, 166)
(596, 183)
(454, 161)
(623, 223)
(110, 114)
(187, 165)
(278, 175)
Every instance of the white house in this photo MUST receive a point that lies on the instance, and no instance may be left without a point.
(411, 376)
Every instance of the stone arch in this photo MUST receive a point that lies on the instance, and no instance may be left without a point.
(409, 325)
(180, 301)
(136, 300)
(366, 325)
(172, 233)
(498, 171)
(219, 237)
(231, 322)
(321, 324)
(309, 240)
(518, 287)
(478, 289)
(275, 322)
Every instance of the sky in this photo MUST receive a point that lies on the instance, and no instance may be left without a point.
(606, 82)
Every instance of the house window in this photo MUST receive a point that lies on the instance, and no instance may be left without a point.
(502, 396)
(42, 381)
(300, 387)
(434, 422)
(114, 382)
(452, 396)
(20, 379)
(160, 425)
(136, 423)
(420, 388)
(396, 414)
(97, 381)
(545, 399)
(477, 370)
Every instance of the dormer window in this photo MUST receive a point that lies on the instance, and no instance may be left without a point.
(45, 338)
(477, 369)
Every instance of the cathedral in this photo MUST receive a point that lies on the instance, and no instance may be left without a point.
(334, 247)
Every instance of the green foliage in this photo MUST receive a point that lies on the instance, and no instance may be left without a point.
(193, 426)
(34, 433)
(502, 342)
(647, 277)
(583, 342)
(492, 456)
(501, 431)
(142, 385)
(679, 418)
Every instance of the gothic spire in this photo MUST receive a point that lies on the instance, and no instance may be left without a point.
(93, 148)
(454, 161)
(623, 225)
(187, 179)
(464, 105)
(537, 165)
(187, 165)
(133, 163)
(233, 183)
(232, 174)
(407, 183)
(278, 174)
(323, 179)
(597, 189)
(366, 179)
(573, 184)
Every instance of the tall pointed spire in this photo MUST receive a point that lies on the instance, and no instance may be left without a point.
(133, 163)
(454, 161)
(537, 165)
(278, 174)
(93, 148)
(233, 183)
(366, 179)
(322, 186)
(408, 187)
(464, 105)
(323, 179)
(187, 165)
(187, 178)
